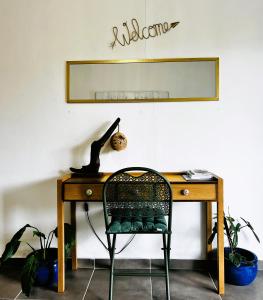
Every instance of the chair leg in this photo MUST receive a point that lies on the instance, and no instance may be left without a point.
(169, 248)
(109, 245)
(166, 261)
(112, 253)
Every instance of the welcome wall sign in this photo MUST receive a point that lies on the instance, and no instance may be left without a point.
(133, 32)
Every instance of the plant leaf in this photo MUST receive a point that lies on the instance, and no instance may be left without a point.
(39, 234)
(228, 233)
(256, 236)
(247, 223)
(235, 238)
(235, 258)
(238, 226)
(211, 238)
(29, 273)
(230, 219)
(252, 229)
(213, 234)
(13, 245)
(69, 236)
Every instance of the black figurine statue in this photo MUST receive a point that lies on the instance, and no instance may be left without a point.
(94, 165)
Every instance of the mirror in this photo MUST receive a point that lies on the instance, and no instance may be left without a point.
(147, 80)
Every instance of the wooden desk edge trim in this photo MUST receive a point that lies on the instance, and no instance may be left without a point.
(64, 177)
(104, 175)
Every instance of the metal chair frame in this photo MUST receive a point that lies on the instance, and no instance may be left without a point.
(165, 235)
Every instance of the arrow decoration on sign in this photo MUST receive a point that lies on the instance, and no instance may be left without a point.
(133, 32)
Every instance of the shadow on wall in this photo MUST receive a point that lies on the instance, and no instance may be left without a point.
(33, 203)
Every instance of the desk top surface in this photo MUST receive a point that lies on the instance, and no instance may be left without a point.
(172, 177)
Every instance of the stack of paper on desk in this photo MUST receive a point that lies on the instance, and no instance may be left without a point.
(198, 175)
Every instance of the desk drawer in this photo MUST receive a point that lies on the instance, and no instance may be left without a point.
(93, 192)
(84, 192)
(192, 192)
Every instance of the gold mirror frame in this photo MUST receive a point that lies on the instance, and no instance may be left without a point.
(215, 97)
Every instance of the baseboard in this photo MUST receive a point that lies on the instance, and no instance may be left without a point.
(260, 265)
(180, 264)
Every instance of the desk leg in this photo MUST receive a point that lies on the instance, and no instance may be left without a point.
(60, 224)
(208, 226)
(220, 238)
(73, 223)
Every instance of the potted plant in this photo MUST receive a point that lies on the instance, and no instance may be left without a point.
(241, 265)
(40, 265)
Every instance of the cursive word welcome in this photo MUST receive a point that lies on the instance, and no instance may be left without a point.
(133, 32)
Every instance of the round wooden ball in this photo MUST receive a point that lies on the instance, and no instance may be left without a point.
(118, 141)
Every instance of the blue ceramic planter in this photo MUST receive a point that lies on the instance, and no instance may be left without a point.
(47, 274)
(54, 277)
(42, 275)
(245, 274)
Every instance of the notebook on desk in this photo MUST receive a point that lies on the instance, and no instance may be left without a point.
(198, 175)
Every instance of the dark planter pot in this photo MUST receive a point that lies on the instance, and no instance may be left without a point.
(47, 272)
(246, 273)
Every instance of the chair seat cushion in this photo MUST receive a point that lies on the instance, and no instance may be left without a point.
(136, 220)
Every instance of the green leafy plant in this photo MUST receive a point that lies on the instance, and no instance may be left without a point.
(232, 228)
(37, 256)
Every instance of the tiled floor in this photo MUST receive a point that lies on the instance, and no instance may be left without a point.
(92, 284)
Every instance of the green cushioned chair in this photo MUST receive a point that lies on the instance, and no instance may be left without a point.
(138, 201)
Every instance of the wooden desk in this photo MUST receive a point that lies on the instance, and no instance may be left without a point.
(90, 189)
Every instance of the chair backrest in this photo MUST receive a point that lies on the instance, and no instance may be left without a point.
(137, 188)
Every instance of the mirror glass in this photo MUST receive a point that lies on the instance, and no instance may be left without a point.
(188, 79)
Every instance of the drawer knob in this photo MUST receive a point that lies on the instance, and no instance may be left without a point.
(185, 192)
(89, 192)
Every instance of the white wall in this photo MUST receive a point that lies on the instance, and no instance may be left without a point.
(42, 136)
